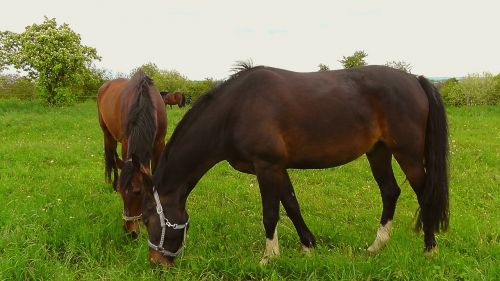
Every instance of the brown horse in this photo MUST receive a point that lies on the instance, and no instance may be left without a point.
(131, 112)
(173, 98)
(265, 120)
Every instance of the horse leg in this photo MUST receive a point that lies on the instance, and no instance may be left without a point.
(277, 179)
(268, 185)
(110, 145)
(413, 168)
(380, 163)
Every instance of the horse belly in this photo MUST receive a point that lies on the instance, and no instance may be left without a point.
(329, 146)
(326, 154)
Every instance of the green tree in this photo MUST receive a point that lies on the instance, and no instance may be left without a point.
(52, 54)
(401, 65)
(149, 68)
(355, 60)
(323, 67)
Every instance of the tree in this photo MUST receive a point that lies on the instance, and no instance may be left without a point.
(149, 68)
(355, 60)
(401, 65)
(323, 67)
(52, 54)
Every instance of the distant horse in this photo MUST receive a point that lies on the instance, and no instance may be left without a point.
(265, 120)
(131, 112)
(173, 98)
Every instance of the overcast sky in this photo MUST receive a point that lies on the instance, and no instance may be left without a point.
(203, 39)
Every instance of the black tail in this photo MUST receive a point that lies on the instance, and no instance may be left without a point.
(435, 193)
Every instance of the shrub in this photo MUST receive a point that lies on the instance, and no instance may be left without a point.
(14, 86)
(197, 88)
(447, 89)
(474, 89)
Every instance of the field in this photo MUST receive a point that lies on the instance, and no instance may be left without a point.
(59, 220)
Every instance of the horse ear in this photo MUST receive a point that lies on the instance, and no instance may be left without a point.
(147, 178)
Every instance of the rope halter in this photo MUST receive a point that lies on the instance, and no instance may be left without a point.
(134, 218)
(164, 224)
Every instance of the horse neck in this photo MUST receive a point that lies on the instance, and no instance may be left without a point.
(189, 157)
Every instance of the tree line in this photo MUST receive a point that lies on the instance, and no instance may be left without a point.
(61, 70)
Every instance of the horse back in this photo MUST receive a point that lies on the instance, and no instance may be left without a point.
(110, 103)
(323, 119)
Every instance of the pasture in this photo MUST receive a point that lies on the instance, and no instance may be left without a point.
(59, 220)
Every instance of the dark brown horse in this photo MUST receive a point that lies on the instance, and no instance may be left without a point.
(173, 98)
(131, 112)
(265, 120)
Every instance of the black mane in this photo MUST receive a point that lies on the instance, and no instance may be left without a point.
(141, 125)
(201, 103)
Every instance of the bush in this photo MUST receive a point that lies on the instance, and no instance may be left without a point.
(173, 81)
(89, 83)
(448, 88)
(197, 88)
(14, 86)
(170, 81)
(475, 89)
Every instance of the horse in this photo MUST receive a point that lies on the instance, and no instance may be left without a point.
(132, 113)
(172, 98)
(265, 120)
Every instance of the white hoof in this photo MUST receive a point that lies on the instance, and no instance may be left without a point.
(306, 251)
(272, 249)
(383, 236)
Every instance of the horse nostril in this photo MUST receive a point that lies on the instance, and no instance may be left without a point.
(134, 234)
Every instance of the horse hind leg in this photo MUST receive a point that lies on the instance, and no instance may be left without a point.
(380, 164)
(413, 167)
(110, 157)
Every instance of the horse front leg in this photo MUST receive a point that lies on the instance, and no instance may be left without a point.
(270, 211)
(275, 186)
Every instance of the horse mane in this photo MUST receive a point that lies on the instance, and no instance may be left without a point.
(141, 125)
(240, 67)
(199, 105)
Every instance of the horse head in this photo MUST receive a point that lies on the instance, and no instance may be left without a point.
(167, 222)
(133, 177)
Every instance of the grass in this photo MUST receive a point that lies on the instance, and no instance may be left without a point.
(59, 220)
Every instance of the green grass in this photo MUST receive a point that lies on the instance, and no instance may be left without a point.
(59, 220)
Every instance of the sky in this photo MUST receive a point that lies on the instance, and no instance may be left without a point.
(204, 39)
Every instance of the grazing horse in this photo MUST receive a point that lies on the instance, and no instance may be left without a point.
(173, 98)
(131, 112)
(265, 120)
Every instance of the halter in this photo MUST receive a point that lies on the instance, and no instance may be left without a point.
(134, 218)
(164, 224)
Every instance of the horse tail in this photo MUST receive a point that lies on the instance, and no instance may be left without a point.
(435, 195)
(141, 124)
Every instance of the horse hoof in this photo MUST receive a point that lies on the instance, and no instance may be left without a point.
(264, 261)
(307, 251)
(431, 252)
